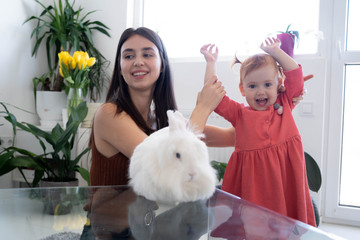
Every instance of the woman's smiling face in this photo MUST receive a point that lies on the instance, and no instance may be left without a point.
(260, 87)
(140, 63)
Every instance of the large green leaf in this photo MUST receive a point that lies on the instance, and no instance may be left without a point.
(84, 174)
(17, 162)
(313, 173)
(5, 158)
(220, 168)
(77, 159)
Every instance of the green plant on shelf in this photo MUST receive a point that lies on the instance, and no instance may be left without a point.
(55, 163)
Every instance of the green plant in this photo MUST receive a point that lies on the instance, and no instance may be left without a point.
(313, 173)
(63, 28)
(55, 164)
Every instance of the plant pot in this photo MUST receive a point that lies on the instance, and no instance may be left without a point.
(49, 105)
(92, 107)
(56, 198)
(287, 43)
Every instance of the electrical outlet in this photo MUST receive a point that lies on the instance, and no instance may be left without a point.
(6, 141)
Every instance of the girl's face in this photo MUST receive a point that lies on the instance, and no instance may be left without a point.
(260, 87)
(140, 63)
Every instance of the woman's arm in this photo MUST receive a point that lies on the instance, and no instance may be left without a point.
(219, 137)
(115, 133)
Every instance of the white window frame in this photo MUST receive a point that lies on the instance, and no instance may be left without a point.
(333, 212)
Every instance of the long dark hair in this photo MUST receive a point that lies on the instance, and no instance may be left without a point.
(163, 96)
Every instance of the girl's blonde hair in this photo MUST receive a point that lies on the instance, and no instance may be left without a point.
(255, 62)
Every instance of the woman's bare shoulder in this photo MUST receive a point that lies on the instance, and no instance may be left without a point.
(108, 119)
(115, 132)
(107, 109)
(108, 112)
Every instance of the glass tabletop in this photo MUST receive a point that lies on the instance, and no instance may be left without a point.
(116, 212)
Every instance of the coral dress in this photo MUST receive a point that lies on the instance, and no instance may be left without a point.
(267, 166)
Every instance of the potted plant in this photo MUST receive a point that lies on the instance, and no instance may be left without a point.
(62, 28)
(55, 164)
(312, 171)
(288, 39)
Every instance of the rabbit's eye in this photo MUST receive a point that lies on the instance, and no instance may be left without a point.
(178, 155)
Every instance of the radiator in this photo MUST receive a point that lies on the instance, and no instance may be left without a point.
(217, 154)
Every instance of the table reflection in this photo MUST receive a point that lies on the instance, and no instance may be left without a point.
(116, 212)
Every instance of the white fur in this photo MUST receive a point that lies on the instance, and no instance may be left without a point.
(157, 174)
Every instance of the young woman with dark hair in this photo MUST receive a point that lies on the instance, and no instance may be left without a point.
(140, 93)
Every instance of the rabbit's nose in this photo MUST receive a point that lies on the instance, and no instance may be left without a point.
(192, 175)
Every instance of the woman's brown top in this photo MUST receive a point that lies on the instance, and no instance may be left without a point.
(108, 171)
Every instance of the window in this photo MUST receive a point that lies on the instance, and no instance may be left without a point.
(342, 194)
(234, 26)
(350, 164)
(353, 33)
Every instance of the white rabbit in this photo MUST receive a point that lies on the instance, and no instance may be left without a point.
(172, 164)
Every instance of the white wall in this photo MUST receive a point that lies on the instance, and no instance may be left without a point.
(17, 68)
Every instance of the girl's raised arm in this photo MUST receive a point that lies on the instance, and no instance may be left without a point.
(272, 47)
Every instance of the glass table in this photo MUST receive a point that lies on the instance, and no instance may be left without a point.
(116, 212)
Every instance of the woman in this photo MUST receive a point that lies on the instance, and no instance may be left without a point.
(139, 95)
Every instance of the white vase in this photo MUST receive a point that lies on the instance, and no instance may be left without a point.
(49, 105)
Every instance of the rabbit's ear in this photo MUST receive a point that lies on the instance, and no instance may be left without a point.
(176, 121)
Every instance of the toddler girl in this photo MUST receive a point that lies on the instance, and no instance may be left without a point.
(267, 166)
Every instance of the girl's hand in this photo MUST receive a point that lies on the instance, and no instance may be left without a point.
(209, 52)
(270, 45)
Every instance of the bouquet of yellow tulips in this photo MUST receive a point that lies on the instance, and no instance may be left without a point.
(75, 69)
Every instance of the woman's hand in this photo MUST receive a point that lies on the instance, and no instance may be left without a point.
(207, 100)
(211, 94)
(298, 99)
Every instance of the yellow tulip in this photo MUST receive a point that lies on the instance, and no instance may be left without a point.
(85, 55)
(73, 64)
(64, 57)
(82, 64)
(91, 61)
(77, 56)
(80, 60)
(61, 73)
